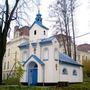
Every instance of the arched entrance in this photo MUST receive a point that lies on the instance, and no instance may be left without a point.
(32, 73)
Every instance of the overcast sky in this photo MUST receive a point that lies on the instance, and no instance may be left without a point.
(82, 20)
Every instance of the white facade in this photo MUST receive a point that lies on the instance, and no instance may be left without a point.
(44, 64)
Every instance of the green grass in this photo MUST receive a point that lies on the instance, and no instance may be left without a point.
(82, 86)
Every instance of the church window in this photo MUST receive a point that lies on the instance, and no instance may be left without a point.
(56, 54)
(35, 32)
(64, 71)
(45, 54)
(44, 32)
(74, 72)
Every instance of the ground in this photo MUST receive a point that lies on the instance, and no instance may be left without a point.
(81, 86)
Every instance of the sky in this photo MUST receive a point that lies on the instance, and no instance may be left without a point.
(82, 18)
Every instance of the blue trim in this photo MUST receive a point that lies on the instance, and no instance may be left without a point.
(36, 58)
(39, 25)
(24, 45)
(63, 58)
(34, 44)
(45, 42)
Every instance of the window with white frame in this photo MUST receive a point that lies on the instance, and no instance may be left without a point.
(45, 54)
(56, 54)
(64, 71)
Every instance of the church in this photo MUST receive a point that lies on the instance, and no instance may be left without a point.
(43, 60)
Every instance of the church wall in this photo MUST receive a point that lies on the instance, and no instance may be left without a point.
(39, 33)
(69, 77)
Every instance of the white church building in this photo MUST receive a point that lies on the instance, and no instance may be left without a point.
(43, 60)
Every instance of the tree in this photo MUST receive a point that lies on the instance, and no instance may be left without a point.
(86, 64)
(8, 13)
(63, 11)
(4, 28)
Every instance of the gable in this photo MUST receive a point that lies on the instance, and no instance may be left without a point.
(40, 25)
(35, 58)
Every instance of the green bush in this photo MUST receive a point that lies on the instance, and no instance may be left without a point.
(12, 81)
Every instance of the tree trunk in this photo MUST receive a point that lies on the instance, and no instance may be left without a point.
(74, 43)
(2, 52)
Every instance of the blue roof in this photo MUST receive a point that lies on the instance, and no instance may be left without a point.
(47, 40)
(36, 58)
(68, 60)
(41, 25)
(38, 21)
(24, 44)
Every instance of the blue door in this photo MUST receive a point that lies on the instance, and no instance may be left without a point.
(32, 76)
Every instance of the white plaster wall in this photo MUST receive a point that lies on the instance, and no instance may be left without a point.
(51, 74)
(40, 71)
(70, 77)
(39, 33)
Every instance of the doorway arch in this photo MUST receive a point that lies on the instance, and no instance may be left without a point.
(32, 73)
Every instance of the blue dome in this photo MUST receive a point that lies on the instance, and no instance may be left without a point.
(38, 18)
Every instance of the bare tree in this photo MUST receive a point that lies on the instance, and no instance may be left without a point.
(8, 13)
(63, 10)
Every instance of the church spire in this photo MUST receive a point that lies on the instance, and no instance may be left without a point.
(38, 18)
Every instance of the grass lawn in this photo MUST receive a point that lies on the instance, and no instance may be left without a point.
(82, 86)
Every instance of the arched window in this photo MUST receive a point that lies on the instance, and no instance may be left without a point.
(74, 72)
(64, 71)
(35, 32)
(45, 54)
(56, 54)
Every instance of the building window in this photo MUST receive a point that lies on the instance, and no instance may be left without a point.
(8, 65)
(44, 32)
(4, 65)
(74, 72)
(8, 52)
(82, 57)
(34, 50)
(56, 54)
(64, 71)
(45, 54)
(35, 32)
